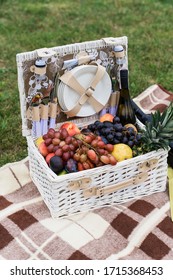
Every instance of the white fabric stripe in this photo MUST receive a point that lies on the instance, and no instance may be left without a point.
(141, 231)
(23, 246)
(14, 163)
(16, 207)
(38, 249)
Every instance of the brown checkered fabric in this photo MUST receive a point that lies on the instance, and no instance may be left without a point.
(141, 229)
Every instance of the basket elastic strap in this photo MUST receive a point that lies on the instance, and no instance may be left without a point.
(35, 113)
(85, 94)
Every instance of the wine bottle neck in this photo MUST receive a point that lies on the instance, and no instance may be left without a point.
(124, 79)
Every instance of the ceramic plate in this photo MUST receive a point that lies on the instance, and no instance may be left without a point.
(84, 74)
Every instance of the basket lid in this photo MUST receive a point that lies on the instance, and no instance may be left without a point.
(38, 71)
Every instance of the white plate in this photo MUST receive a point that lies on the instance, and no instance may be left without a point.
(84, 75)
(60, 96)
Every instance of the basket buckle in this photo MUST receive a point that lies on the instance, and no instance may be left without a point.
(149, 164)
(79, 184)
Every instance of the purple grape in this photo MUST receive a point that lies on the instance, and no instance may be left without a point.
(116, 120)
(130, 144)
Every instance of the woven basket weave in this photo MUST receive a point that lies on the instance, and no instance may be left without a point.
(98, 187)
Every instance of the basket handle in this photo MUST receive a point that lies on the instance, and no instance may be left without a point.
(86, 182)
(96, 191)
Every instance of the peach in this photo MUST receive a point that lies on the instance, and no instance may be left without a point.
(71, 128)
(49, 156)
(106, 117)
(43, 149)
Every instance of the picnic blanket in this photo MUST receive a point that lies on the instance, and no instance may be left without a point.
(140, 229)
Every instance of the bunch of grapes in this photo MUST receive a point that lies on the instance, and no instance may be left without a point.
(114, 132)
(62, 147)
(76, 153)
(93, 152)
(61, 143)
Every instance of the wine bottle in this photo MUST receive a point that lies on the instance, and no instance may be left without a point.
(125, 110)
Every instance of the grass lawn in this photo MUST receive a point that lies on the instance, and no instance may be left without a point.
(28, 25)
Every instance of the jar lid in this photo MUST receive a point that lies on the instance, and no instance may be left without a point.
(118, 48)
(40, 63)
(119, 51)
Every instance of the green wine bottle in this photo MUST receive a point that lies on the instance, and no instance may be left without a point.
(125, 109)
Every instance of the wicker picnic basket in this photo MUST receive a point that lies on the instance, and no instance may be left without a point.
(94, 188)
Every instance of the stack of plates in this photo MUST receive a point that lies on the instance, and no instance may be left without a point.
(84, 74)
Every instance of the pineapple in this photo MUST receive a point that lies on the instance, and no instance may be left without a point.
(158, 132)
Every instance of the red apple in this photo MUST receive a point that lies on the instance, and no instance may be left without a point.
(71, 128)
(49, 156)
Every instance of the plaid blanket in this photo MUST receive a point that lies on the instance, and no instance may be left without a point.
(140, 229)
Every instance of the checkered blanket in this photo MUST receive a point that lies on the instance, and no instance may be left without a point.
(140, 229)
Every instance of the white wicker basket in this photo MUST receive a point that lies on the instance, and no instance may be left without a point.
(98, 187)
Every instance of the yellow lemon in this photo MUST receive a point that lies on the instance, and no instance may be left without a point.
(122, 152)
(39, 140)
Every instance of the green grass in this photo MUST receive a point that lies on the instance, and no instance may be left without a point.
(29, 25)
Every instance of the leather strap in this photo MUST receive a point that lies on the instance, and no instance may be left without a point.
(97, 191)
(85, 94)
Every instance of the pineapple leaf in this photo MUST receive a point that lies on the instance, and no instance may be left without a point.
(159, 132)
(167, 115)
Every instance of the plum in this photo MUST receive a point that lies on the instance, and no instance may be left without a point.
(56, 164)
(71, 166)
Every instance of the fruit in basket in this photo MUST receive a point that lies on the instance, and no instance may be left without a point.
(104, 159)
(55, 141)
(56, 164)
(122, 152)
(100, 143)
(66, 156)
(59, 152)
(63, 133)
(51, 133)
(114, 132)
(71, 166)
(43, 149)
(39, 140)
(48, 157)
(63, 172)
(93, 153)
(50, 148)
(48, 141)
(106, 117)
(158, 132)
(71, 128)
(60, 143)
(132, 126)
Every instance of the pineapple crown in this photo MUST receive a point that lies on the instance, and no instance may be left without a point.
(158, 132)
